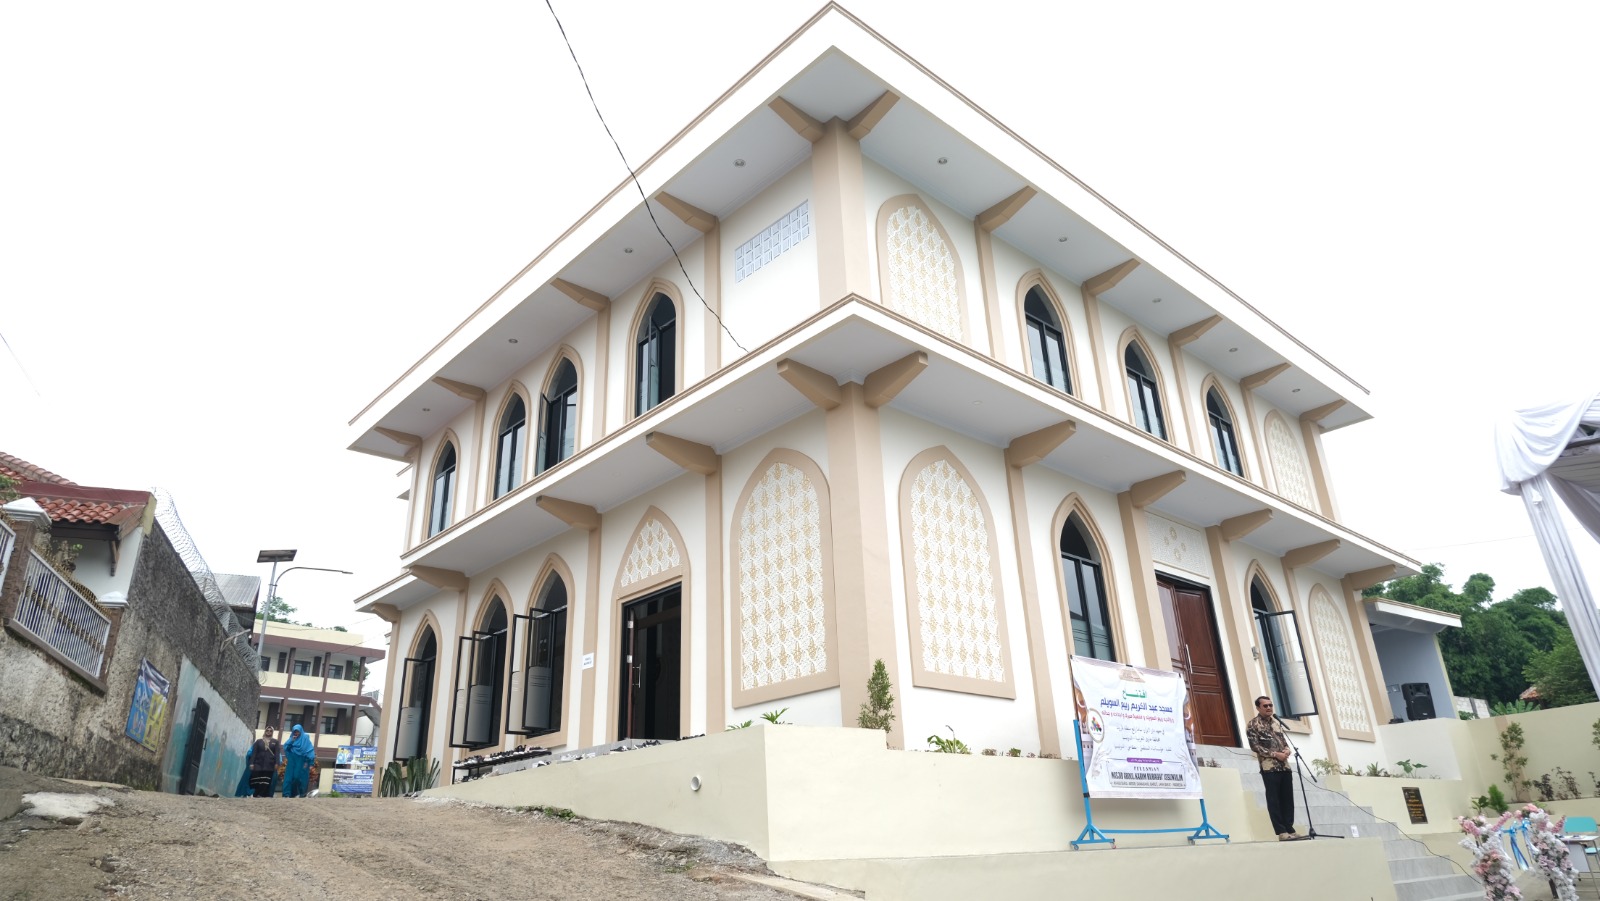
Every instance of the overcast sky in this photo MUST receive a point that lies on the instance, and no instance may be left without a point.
(225, 227)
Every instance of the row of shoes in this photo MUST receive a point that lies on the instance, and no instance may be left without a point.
(520, 752)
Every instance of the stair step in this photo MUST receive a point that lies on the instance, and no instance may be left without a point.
(1431, 888)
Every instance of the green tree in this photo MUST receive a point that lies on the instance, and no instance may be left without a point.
(1560, 674)
(1486, 657)
(277, 610)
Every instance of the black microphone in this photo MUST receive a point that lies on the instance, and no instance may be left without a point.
(1280, 721)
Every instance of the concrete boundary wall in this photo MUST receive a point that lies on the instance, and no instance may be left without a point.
(812, 792)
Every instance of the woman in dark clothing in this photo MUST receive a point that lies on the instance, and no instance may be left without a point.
(263, 764)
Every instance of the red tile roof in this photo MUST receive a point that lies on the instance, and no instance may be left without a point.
(66, 501)
(20, 470)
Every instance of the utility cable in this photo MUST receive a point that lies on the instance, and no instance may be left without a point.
(35, 387)
(635, 178)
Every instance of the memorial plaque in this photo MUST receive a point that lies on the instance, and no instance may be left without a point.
(1413, 796)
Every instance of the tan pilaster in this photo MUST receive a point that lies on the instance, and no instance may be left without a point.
(1352, 585)
(602, 365)
(862, 584)
(838, 191)
(712, 278)
(716, 610)
(1312, 432)
(1238, 621)
(1092, 288)
(1152, 623)
(589, 733)
(1319, 686)
(1247, 387)
(984, 226)
(1038, 660)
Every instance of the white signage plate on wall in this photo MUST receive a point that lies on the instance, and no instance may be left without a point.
(588, 661)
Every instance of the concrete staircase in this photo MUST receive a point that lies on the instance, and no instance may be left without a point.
(1418, 874)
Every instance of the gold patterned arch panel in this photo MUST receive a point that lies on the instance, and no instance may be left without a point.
(919, 271)
(655, 555)
(1289, 467)
(1341, 669)
(784, 633)
(955, 614)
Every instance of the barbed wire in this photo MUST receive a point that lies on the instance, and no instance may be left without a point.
(172, 525)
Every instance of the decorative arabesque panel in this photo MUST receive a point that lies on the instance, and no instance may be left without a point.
(957, 613)
(1178, 545)
(1288, 464)
(782, 606)
(1339, 662)
(922, 271)
(653, 552)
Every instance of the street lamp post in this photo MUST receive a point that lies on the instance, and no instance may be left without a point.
(276, 557)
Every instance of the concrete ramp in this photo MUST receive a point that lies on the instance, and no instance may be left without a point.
(1306, 871)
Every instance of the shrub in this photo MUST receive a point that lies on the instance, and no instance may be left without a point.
(415, 775)
(951, 745)
(877, 711)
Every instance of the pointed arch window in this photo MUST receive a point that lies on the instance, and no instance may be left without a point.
(480, 674)
(444, 490)
(1288, 680)
(416, 692)
(1046, 345)
(540, 677)
(1086, 593)
(655, 363)
(1223, 439)
(560, 428)
(511, 447)
(1144, 397)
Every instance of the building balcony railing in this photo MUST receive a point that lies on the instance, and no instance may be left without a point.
(7, 538)
(57, 617)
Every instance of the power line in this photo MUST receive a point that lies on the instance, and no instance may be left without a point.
(635, 178)
(35, 387)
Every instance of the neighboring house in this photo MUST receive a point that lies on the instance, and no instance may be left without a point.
(916, 395)
(118, 665)
(316, 678)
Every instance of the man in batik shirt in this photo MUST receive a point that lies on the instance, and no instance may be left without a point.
(1272, 752)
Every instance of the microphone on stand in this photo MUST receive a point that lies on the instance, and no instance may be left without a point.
(1280, 721)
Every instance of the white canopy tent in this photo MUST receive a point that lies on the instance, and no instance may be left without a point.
(1551, 452)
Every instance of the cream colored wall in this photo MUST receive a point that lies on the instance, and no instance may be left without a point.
(1551, 738)
(981, 722)
(882, 184)
(784, 291)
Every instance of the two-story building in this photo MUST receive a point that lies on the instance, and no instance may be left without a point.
(888, 384)
(316, 679)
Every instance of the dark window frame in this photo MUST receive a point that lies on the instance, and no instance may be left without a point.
(443, 489)
(558, 430)
(1081, 571)
(1224, 440)
(655, 358)
(1044, 334)
(1144, 393)
(511, 446)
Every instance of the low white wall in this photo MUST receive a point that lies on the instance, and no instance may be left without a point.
(1442, 800)
(812, 792)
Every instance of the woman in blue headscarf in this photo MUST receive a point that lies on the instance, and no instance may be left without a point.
(298, 752)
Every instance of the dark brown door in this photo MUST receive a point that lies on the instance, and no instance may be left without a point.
(650, 702)
(1197, 654)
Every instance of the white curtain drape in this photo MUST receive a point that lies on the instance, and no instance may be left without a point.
(1526, 444)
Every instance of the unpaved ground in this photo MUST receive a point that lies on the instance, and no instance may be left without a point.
(150, 845)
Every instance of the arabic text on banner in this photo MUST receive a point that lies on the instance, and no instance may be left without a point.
(1138, 734)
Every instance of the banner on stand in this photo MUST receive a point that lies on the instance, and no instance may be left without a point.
(1138, 732)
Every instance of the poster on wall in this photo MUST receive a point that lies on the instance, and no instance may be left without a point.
(147, 716)
(1137, 730)
(352, 769)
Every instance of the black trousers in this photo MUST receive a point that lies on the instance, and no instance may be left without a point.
(1280, 799)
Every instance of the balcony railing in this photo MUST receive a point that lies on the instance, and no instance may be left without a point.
(7, 539)
(61, 619)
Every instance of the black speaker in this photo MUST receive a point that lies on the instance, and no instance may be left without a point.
(1419, 700)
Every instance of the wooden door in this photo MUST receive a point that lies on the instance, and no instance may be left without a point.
(1196, 650)
(650, 702)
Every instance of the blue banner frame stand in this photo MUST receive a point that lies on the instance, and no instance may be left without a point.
(1094, 835)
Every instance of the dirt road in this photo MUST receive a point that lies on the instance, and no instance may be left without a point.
(146, 845)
